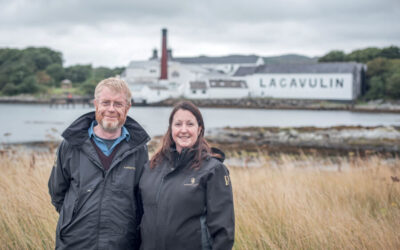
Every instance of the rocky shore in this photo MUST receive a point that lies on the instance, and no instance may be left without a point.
(349, 140)
(342, 140)
(253, 103)
(266, 103)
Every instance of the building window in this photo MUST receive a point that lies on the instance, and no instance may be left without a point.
(193, 91)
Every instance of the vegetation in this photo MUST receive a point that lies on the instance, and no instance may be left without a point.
(290, 203)
(383, 74)
(38, 70)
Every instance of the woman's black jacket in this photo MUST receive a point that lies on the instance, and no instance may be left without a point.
(186, 208)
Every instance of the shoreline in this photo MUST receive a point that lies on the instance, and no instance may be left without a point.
(377, 106)
(337, 140)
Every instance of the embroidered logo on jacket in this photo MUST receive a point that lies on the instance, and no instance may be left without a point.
(191, 182)
(226, 180)
(130, 167)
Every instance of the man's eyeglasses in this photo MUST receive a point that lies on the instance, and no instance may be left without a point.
(116, 105)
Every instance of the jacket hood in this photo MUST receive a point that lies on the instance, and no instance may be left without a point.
(77, 132)
(187, 155)
(218, 154)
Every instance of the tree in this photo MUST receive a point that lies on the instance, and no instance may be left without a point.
(377, 88)
(18, 71)
(391, 52)
(29, 85)
(43, 78)
(333, 56)
(87, 88)
(378, 66)
(57, 73)
(78, 73)
(42, 57)
(10, 89)
(393, 88)
(363, 55)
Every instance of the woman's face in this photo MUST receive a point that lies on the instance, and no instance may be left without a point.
(185, 129)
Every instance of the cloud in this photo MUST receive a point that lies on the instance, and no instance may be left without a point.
(112, 33)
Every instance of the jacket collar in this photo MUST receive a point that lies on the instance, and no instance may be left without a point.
(77, 132)
(184, 158)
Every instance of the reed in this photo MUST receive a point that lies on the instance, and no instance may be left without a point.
(298, 204)
(290, 202)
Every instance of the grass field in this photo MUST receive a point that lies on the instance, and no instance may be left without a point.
(290, 203)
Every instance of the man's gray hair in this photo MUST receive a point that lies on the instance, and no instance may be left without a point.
(116, 85)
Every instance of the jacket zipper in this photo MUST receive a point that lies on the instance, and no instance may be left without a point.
(121, 157)
(159, 189)
(105, 174)
(99, 217)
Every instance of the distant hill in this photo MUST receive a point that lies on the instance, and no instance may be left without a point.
(289, 59)
(283, 59)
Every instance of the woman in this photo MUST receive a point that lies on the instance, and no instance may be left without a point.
(186, 192)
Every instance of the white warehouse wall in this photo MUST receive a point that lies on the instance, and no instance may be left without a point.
(302, 86)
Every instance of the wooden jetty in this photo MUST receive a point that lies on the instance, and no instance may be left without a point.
(71, 101)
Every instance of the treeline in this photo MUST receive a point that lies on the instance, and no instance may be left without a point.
(383, 73)
(37, 70)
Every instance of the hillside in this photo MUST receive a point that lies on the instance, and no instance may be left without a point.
(282, 59)
(289, 59)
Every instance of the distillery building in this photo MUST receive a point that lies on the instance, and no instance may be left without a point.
(238, 76)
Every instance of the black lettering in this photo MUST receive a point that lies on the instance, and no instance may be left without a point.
(321, 81)
(331, 83)
(282, 82)
(262, 85)
(302, 82)
(293, 83)
(313, 85)
(272, 83)
(339, 83)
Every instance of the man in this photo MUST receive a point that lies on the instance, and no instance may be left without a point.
(93, 184)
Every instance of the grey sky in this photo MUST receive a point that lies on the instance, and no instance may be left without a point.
(114, 32)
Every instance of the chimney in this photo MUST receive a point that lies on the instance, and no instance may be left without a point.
(164, 56)
(169, 52)
(155, 55)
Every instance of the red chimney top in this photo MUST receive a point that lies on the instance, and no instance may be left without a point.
(164, 56)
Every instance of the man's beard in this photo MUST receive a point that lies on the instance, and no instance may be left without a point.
(109, 126)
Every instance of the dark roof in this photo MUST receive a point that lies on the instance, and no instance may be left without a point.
(231, 59)
(198, 85)
(244, 71)
(337, 67)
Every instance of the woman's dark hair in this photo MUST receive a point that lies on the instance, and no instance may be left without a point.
(201, 146)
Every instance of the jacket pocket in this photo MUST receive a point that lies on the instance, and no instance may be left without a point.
(66, 216)
(84, 195)
(72, 211)
(123, 177)
(206, 241)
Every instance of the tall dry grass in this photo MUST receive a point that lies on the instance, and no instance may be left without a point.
(27, 218)
(295, 203)
(289, 203)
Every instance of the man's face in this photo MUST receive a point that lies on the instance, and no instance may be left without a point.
(111, 110)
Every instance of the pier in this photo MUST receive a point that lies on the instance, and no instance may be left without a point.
(71, 101)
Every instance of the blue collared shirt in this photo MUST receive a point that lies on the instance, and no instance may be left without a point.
(100, 142)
